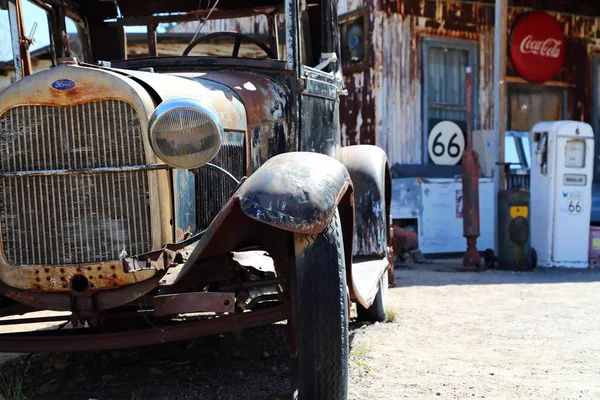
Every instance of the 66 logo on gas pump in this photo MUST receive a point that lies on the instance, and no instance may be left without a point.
(446, 142)
(573, 203)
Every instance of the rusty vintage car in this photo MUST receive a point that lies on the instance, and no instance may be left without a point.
(163, 198)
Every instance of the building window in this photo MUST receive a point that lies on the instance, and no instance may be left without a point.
(444, 90)
(528, 105)
(354, 28)
(532, 104)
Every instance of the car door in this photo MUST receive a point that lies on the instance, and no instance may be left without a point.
(319, 105)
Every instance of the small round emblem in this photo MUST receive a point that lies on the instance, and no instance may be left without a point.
(63, 84)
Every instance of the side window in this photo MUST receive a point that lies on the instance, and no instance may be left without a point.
(76, 48)
(317, 36)
(7, 73)
(444, 92)
(35, 20)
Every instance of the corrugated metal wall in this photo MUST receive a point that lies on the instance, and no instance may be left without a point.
(397, 88)
(391, 91)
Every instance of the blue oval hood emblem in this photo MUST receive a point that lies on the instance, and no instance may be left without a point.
(63, 84)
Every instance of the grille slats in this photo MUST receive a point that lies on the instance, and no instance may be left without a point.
(213, 190)
(75, 218)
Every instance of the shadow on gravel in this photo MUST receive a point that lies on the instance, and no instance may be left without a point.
(444, 274)
(257, 367)
(217, 367)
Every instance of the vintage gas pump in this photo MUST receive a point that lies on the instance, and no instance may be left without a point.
(562, 154)
(514, 244)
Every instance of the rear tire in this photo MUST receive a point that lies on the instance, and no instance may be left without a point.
(376, 313)
(321, 369)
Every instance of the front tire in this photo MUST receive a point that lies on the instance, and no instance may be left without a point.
(320, 371)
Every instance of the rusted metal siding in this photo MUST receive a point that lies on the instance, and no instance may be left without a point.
(397, 88)
(357, 110)
(427, 7)
(394, 80)
(354, 111)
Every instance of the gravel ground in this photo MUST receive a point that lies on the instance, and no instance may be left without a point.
(495, 335)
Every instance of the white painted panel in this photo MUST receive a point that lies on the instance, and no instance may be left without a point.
(441, 227)
(434, 203)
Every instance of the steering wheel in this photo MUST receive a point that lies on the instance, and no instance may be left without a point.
(236, 46)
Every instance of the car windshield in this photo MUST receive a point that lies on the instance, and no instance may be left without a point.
(213, 38)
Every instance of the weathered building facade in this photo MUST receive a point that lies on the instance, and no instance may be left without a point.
(405, 64)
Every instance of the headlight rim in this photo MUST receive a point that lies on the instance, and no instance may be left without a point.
(184, 103)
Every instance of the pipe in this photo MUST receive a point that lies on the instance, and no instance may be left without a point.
(470, 187)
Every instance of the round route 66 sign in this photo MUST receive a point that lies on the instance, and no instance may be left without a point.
(446, 143)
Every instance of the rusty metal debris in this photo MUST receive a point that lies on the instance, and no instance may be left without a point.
(79, 340)
(193, 303)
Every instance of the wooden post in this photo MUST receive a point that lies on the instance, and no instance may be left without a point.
(500, 39)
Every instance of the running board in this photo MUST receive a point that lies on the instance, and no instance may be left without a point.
(365, 276)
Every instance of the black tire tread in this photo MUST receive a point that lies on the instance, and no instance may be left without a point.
(322, 315)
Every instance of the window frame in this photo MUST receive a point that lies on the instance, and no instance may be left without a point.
(347, 19)
(472, 49)
(520, 135)
(82, 32)
(541, 88)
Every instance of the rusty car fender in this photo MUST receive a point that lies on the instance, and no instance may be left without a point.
(300, 192)
(371, 178)
(296, 192)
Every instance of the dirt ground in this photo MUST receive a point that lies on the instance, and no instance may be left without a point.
(494, 335)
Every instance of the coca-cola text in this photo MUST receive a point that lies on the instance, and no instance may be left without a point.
(544, 48)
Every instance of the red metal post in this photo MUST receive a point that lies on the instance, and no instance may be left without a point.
(470, 182)
(24, 41)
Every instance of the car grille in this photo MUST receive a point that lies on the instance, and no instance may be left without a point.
(68, 219)
(213, 189)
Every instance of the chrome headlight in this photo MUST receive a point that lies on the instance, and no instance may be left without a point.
(185, 133)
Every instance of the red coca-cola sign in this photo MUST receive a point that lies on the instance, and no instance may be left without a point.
(537, 47)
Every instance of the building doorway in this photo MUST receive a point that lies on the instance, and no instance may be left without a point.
(444, 94)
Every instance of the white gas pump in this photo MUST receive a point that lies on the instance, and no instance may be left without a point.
(561, 192)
